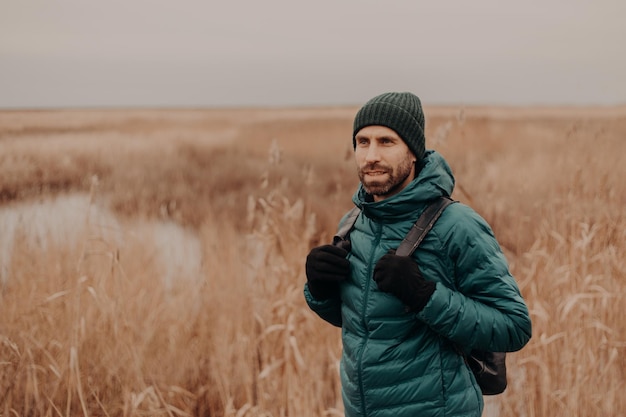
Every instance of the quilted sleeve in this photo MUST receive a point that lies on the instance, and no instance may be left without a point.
(329, 310)
(485, 310)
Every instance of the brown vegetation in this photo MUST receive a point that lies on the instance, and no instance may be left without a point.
(151, 262)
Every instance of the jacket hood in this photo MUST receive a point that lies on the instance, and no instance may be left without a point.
(433, 181)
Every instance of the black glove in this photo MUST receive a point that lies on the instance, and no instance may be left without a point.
(400, 276)
(326, 267)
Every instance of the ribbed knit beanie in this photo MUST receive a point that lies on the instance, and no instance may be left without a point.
(401, 112)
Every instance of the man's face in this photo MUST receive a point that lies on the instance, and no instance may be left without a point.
(385, 163)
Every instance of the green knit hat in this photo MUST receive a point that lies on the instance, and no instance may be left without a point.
(401, 112)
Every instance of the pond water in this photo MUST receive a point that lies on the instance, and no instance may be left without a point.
(70, 220)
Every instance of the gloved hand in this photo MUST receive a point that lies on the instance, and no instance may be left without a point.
(400, 276)
(326, 267)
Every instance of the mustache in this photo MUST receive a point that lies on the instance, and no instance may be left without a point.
(375, 167)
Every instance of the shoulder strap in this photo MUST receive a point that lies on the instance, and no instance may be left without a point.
(422, 226)
(415, 236)
(346, 226)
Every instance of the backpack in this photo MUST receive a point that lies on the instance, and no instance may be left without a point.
(489, 368)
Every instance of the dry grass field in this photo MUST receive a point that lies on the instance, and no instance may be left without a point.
(151, 261)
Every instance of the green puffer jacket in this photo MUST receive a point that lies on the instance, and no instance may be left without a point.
(400, 364)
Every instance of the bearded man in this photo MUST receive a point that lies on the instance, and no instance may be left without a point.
(406, 319)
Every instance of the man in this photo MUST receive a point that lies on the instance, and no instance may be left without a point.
(405, 319)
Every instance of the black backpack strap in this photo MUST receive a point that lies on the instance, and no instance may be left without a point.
(422, 226)
(346, 225)
(489, 368)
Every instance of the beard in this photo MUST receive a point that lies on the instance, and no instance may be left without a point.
(394, 180)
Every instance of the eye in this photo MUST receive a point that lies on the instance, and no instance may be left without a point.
(361, 141)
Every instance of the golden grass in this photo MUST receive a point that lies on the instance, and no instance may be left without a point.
(151, 262)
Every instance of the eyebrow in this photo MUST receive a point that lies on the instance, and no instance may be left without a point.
(389, 137)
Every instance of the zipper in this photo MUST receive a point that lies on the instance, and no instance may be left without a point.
(366, 293)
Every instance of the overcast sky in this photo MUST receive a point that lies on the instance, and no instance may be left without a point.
(203, 53)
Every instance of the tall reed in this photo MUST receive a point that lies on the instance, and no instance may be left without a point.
(92, 325)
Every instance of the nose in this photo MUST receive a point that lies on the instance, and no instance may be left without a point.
(373, 153)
